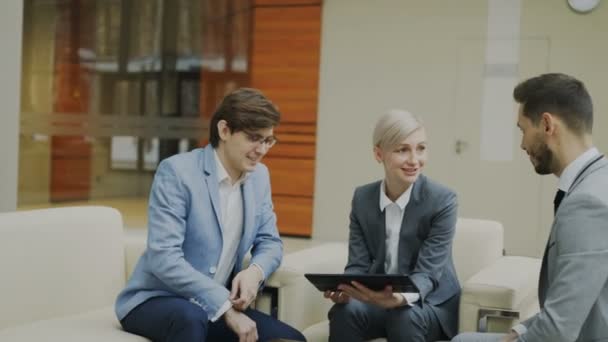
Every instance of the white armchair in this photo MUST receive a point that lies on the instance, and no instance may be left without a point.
(61, 271)
(497, 290)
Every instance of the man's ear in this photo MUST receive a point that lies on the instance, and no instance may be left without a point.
(378, 154)
(223, 129)
(549, 123)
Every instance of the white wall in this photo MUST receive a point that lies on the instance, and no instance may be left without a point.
(11, 18)
(428, 57)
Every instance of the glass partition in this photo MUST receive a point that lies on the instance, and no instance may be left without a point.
(112, 87)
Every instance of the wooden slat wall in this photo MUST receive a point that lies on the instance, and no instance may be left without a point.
(285, 66)
(70, 156)
(260, 3)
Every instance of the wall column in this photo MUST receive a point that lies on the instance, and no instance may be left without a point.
(11, 29)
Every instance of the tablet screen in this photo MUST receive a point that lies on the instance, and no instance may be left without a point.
(376, 282)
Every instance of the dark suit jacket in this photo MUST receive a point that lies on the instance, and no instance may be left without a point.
(425, 245)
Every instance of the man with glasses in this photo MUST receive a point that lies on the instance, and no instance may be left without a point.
(207, 209)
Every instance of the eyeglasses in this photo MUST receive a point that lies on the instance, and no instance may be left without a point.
(255, 138)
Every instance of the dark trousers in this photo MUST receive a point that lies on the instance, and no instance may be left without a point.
(357, 321)
(175, 319)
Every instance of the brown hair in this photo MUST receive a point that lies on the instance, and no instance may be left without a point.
(244, 109)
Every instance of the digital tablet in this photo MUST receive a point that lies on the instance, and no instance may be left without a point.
(329, 282)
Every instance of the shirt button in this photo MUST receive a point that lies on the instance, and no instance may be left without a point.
(212, 269)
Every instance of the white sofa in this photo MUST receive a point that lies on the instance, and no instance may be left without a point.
(61, 271)
(497, 290)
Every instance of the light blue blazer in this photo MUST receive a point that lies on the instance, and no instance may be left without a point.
(185, 233)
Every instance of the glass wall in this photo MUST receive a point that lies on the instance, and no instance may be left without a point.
(111, 87)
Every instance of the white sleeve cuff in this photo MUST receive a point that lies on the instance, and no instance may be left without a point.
(411, 297)
(520, 329)
(227, 305)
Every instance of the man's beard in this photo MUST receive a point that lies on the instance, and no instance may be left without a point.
(544, 159)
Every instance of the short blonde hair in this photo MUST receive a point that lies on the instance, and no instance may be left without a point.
(394, 127)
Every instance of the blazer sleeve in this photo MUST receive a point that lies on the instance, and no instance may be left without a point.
(359, 259)
(167, 212)
(267, 250)
(436, 248)
(580, 270)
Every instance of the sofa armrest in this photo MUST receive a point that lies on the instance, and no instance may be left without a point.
(135, 245)
(290, 296)
(268, 300)
(499, 295)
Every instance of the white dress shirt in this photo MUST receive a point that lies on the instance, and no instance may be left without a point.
(231, 211)
(393, 213)
(572, 170)
(565, 182)
(231, 221)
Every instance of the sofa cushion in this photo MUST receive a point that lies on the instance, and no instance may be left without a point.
(95, 326)
(477, 244)
(59, 262)
(509, 283)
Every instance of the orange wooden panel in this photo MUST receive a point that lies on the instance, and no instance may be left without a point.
(285, 66)
(70, 178)
(286, 2)
(290, 127)
(70, 147)
(294, 215)
(300, 151)
(71, 156)
(294, 177)
(285, 59)
(295, 138)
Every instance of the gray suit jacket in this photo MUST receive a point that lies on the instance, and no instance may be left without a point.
(574, 288)
(425, 245)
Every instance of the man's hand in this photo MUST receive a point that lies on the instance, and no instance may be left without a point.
(242, 325)
(512, 336)
(384, 298)
(245, 287)
(337, 297)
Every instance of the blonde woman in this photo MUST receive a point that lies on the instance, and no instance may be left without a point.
(402, 224)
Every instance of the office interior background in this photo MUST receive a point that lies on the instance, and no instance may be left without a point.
(96, 92)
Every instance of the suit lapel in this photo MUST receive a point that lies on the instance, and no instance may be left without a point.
(376, 219)
(543, 280)
(248, 215)
(411, 213)
(210, 171)
(590, 167)
(411, 217)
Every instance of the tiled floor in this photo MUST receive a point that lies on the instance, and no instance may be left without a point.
(135, 218)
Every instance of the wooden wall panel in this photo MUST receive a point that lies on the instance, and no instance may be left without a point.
(286, 2)
(285, 59)
(70, 177)
(70, 155)
(285, 66)
(294, 215)
(291, 177)
(284, 150)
